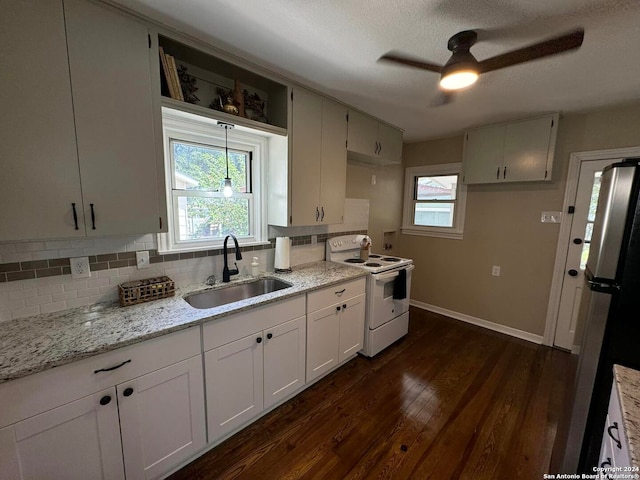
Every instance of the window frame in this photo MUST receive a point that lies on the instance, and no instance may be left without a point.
(194, 129)
(408, 210)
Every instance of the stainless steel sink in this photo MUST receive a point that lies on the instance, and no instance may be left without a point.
(233, 293)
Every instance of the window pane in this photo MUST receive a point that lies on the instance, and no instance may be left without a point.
(595, 191)
(199, 167)
(440, 187)
(433, 214)
(201, 218)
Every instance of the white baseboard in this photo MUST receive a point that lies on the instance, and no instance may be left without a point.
(496, 327)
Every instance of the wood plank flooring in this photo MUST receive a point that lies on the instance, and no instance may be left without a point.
(449, 401)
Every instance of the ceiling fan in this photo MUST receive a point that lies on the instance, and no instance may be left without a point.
(462, 69)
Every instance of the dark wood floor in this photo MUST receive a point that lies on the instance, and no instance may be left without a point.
(449, 401)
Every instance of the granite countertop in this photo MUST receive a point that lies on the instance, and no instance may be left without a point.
(628, 385)
(33, 344)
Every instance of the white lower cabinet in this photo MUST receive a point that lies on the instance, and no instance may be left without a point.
(614, 451)
(335, 326)
(257, 361)
(145, 415)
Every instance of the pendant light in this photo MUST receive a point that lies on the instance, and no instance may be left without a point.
(226, 190)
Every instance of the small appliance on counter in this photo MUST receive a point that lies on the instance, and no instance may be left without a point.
(388, 290)
(282, 263)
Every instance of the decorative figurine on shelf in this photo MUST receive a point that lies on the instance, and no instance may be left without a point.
(254, 107)
(224, 102)
(238, 98)
(188, 85)
(229, 107)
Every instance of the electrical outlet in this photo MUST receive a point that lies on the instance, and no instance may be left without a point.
(373, 179)
(551, 217)
(495, 271)
(142, 259)
(80, 267)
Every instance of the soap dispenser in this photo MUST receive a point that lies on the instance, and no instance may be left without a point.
(254, 267)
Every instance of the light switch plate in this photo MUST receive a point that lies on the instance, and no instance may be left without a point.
(551, 217)
(142, 259)
(80, 267)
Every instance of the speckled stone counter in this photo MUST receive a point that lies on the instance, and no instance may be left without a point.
(33, 344)
(628, 385)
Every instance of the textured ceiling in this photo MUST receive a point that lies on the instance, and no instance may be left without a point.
(333, 46)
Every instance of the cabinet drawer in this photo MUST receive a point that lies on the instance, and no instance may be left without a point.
(231, 328)
(335, 294)
(43, 391)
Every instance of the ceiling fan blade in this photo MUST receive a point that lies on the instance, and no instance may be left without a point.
(410, 62)
(553, 46)
(442, 98)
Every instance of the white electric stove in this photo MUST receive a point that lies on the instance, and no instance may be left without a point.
(387, 311)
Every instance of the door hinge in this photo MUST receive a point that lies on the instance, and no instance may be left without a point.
(552, 122)
(290, 218)
(571, 209)
(346, 144)
(149, 36)
(347, 117)
(292, 95)
(546, 172)
(160, 218)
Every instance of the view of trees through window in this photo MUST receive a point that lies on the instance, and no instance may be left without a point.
(199, 173)
(591, 217)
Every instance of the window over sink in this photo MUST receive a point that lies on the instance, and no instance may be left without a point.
(434, 201)
(200, 216)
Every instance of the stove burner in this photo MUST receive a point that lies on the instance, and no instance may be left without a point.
(390, 259)
(354, 260)
(374, 256)
(372, 264)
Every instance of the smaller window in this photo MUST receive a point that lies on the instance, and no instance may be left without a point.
(434, 201)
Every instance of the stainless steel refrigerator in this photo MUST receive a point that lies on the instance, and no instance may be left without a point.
(610, 310)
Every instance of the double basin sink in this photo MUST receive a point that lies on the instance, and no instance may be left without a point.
(234, 293)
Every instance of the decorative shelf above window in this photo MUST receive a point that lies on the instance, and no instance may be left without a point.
(215, 88)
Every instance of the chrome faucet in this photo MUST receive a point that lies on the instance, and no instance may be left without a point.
(226, 273)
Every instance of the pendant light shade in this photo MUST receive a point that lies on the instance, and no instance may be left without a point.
(227, 190)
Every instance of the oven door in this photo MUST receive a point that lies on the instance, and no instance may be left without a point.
(383, 307)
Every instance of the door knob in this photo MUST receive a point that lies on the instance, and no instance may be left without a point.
(127, 392)
(573, 273)
(105, 400)
(577, 241)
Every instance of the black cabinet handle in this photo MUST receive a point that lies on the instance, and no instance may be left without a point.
(259, 339)
(317, 214)
(380, 149)
(338, 308)
(614, 427)
(75, 215)
(340, 292)
(322, 217)
(269, 336)
(504, 174)
(112, 368)
(344, 306)
(105, 400)
(606, 463)
(573, 273)
(498, 174)
(93, 218)
(127, 392)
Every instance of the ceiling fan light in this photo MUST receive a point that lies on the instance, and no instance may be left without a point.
(458, 79)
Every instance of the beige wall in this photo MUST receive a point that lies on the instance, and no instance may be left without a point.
(502, 225)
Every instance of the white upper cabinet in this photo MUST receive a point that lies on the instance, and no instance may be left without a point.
(109, 60)
(80, 127)
(372, 141)
(317, 164)
(40, 179)
(518, 151)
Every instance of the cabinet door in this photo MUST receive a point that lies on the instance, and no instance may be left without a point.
(333, 174)
(526, 149)
(323, 333)
(483, 155)
(40, 178)
(284, 360)
(76, 441)
(109, 61)
(305, 157)
(351, 327)
(233, 374)
(162, 418)
(362, 133)
(390, 140)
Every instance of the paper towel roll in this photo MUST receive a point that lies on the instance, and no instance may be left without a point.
(282, 260)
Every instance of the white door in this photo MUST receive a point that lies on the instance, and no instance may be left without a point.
(351, 327)
(162, 418)
(284, 360)
(109, 61)
(323, 334)
(578, 249)
(333, 174)
(77, 441)
(234, 382)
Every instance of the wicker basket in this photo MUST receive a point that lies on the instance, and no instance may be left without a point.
(140, 291)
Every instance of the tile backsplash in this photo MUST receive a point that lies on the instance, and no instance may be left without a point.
(46, 294)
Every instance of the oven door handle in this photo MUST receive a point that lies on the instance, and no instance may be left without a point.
(388, 276)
